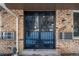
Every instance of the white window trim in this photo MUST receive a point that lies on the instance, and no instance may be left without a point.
(77, 11)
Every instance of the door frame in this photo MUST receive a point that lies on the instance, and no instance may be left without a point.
(53, 29)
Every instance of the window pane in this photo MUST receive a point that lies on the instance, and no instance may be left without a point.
(76, 24)
(32, 22)
(46, 23)
(8, 35)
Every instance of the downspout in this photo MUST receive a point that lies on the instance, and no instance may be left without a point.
(0, 22)
(8, 10)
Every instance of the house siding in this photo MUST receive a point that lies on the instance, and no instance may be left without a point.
(63, 46)
(9, 25)
(66, 45)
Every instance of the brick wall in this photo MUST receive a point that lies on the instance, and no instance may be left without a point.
(65, 46)
(20, 28)
(9, 25)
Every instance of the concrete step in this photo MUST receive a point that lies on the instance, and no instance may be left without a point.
(39, 52)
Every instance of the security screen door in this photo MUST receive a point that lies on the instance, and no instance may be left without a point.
(39, 30)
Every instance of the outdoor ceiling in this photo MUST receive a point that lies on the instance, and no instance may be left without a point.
(42, 6)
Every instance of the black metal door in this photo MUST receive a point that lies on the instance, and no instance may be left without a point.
(39, 30)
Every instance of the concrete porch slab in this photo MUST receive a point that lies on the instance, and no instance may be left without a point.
(39, 52)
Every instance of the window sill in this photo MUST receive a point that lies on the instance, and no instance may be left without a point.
(75, 37)
(7, 39)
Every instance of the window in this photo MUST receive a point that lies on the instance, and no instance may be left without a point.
(76, 24)
(0, 35)
(6, 35)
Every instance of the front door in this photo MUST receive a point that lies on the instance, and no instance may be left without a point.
(39, 29)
